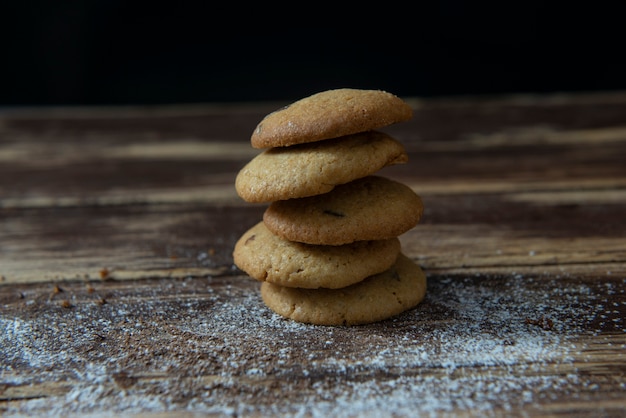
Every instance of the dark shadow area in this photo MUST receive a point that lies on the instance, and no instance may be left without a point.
(119, 52)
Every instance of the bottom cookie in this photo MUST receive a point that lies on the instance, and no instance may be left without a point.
(376, 298)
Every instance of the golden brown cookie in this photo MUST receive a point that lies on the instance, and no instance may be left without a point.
(267, 257)
(369, 208)
(330, 114)
(315, 168)
(376, 298)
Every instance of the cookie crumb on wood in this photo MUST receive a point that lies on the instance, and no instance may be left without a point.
(66, 304)
(105, 274)
(542, 322)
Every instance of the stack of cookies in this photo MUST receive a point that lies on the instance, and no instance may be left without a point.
(327, 250)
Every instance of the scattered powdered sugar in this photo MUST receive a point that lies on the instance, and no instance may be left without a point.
(210, 346)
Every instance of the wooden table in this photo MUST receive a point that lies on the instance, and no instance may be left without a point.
(118, 293)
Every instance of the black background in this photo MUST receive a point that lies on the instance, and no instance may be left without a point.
(124, 52)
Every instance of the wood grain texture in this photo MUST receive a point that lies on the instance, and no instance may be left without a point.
(118, 293)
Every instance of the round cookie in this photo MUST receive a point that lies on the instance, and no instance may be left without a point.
(376, 298)
(316, 168)
(369, 208)
(267, 257)
(330, 114)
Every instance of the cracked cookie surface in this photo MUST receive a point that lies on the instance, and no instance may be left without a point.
(267, 257)
(369, 208)
(330, 114)
(316, 168)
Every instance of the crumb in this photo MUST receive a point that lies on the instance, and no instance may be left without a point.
(90, 289)
(66, 304)
(211, 251)
(543, 322)
(55, 291)
(101, 301)
(105, 274)
(124, 380)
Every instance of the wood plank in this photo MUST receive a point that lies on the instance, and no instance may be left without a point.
(477, 343)
(118, 293)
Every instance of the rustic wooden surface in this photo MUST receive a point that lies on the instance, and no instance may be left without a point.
(118, 293)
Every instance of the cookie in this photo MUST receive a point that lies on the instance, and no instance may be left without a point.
(369, 208)
(316, 168)
(330, 114)
(376, 298)
(267, 257)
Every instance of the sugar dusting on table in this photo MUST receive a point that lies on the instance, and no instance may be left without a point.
(209, 346)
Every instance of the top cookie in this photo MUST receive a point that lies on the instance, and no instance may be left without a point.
(330, 114)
